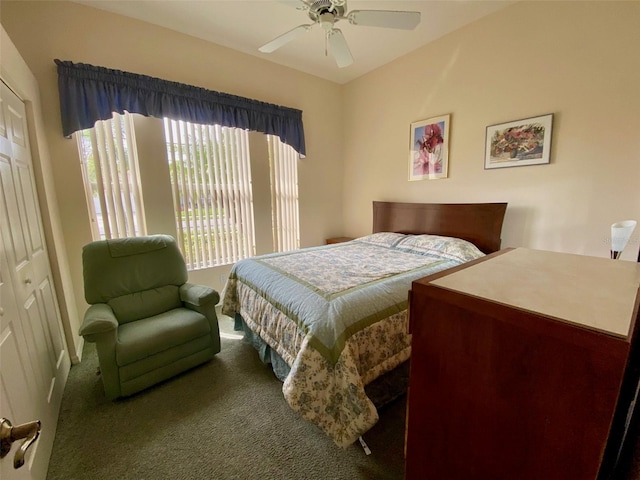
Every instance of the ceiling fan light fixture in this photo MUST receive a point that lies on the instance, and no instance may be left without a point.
(327, 20)
(327, 13)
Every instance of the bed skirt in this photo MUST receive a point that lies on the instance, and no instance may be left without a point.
(381, 391)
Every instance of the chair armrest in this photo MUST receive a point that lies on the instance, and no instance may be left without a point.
(203, 300)
(98, 319)
(198, 295)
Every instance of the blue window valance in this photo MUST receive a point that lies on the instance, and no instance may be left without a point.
(89, 94)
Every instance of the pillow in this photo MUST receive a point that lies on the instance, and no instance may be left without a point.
(385, 239)
(434, 245)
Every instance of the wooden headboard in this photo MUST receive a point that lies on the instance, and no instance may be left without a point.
(478, 223)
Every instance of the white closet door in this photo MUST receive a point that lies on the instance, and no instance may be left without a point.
(34, 361)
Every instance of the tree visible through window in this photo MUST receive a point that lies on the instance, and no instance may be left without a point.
(212, 196)
(109, 163)
(211, 186)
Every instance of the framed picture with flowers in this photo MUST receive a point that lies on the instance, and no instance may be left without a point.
(519, 143)
(429, 149)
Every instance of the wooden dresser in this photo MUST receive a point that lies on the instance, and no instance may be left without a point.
(524, 366)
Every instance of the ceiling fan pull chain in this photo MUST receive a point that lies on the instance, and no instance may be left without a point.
(326, 43)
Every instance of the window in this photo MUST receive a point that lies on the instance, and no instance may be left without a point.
(111, 178)
(283, 161)
(211, 183)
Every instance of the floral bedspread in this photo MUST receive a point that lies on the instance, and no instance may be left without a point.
(337, 315)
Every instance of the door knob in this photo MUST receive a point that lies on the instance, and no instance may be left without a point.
(9, 434)
(27, 281)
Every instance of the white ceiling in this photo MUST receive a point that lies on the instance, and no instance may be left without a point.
(245, 25)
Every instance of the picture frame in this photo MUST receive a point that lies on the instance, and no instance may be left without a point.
(429, 149)
(519, 143)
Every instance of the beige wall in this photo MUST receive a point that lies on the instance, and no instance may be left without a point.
(43, 31)
(577, 60)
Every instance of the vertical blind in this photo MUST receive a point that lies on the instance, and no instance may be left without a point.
(211, 182)
(284, 195)
(109, 164)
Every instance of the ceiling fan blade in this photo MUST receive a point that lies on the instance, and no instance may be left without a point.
(384, 18)
(283, 39)
(339, 48)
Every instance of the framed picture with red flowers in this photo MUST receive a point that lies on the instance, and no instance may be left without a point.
(429, 149)
(519, 143)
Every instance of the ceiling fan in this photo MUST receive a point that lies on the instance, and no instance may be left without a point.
(327, 13)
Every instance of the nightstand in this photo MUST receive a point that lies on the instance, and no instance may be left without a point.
(338, 240)
(524, 365)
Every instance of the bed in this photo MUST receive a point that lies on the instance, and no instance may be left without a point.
(332, 320)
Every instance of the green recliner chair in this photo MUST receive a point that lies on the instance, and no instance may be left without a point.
(147, 322)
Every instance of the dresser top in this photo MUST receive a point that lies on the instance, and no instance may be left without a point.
(594, 292)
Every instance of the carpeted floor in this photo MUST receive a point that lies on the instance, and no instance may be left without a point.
(224, 420)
